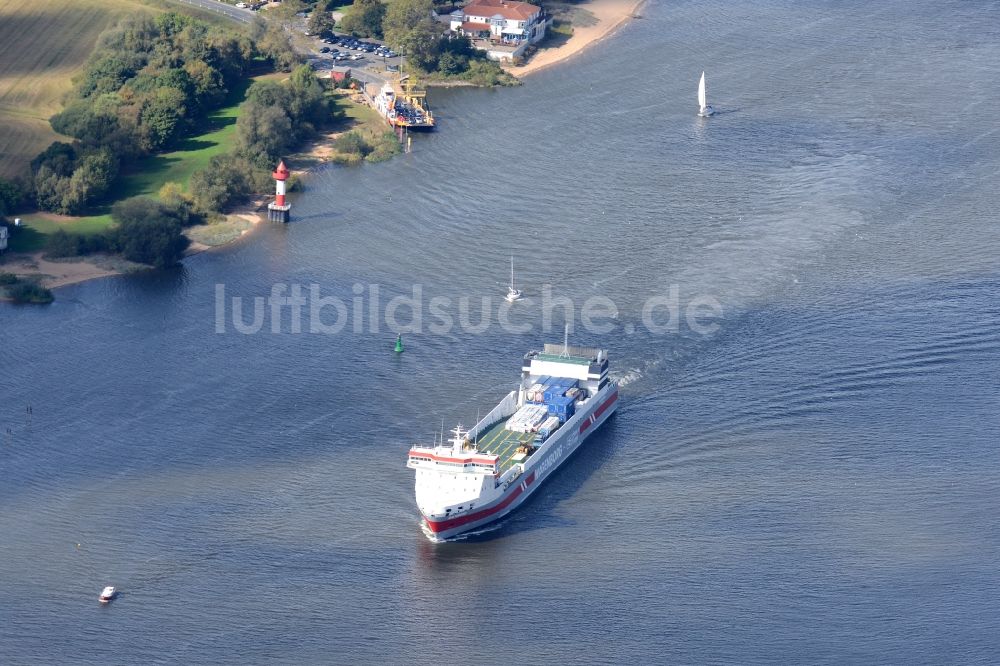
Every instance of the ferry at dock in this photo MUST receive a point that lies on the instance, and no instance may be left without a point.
(481, 475)
(404, 106)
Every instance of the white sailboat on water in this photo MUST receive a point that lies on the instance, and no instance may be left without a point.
(704, 110)
(512, 293)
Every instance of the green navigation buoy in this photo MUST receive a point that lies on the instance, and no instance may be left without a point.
(399, 343)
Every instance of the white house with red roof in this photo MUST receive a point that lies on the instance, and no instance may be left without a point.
(502, 28)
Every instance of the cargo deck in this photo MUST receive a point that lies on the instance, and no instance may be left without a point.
(499, 441)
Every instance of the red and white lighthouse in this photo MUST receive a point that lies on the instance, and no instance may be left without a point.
(278, 210)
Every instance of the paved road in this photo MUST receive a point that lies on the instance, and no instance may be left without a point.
(241, 15)
(370, 70)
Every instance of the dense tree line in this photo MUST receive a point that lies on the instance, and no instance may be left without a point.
(67, 177)
(146, 231)
(274, 118)
(146, 85)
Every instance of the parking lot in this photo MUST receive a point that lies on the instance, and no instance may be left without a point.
(369, 59)
(369, 55)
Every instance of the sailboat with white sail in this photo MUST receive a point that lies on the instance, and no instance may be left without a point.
(512, 293)
(704, 110)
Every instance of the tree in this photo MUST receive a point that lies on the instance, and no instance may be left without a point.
(11, 197)
(449, 63)
(160, 118)
(109, 73)
(262, 133)
(307, 98)
(148, 232)
(320, 23)
(81, 120)
(225, 180)
(90, 180)
(209, 86)
(58, 157)
(273, 44)
(290, 8)
(52, 170)
(411, 30)
(364, 18)
(275, 116)
(63, 244)
(172, 194)
(50, 189)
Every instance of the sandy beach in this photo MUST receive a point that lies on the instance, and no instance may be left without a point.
(609, 15)
(53, 273)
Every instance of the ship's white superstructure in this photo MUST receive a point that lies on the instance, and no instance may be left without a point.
(483, 474)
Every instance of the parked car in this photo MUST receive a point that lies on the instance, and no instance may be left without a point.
(325, 49)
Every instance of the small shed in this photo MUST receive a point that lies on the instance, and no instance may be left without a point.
(340, 74)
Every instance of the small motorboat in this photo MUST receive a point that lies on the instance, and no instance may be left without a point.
(108, 593)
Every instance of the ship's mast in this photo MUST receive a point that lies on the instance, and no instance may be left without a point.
(458, 441)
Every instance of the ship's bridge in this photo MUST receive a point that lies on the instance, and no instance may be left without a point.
(443, 459)
(460, 457)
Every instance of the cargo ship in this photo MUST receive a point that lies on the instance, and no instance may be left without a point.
(479, 476)
(404, 107)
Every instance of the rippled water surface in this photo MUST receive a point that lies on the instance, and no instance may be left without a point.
(815, 481)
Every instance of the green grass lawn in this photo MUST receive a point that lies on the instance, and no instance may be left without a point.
(147, 176)
(192, 154)
(33, 236)
(354, 114)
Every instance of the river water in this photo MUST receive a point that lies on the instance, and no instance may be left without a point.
(813, 479)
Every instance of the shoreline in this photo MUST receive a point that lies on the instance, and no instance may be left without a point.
(610, 15)
(238, 223)
(56, 273)
(64, 272)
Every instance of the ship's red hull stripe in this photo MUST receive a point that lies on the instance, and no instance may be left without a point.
(442, 525)
(592, 419)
